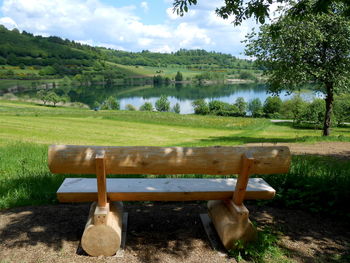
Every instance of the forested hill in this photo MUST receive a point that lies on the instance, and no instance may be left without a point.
(70, 58)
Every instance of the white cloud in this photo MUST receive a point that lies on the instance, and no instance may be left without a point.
(8, 22)
(144, 6)
(96, 23)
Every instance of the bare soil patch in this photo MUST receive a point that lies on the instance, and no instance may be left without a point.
(160, 232)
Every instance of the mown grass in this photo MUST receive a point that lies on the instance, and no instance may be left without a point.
(29, 122)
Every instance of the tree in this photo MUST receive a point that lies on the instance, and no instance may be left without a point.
(242, 10)
(162, 104)
(255, 107)
(200, 106)
(147, 106)
(295, 52)
(53, 97)
(178, 76)
(294, 108)
(272, 106)
(42, 95)
(176, 108)
(111, 103)
(241, 106)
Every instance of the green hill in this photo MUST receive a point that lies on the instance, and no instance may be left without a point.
(25, 56)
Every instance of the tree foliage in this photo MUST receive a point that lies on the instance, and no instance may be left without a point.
(259, 9)
(162, 104)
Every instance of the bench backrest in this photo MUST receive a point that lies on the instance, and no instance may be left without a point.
(217, 160)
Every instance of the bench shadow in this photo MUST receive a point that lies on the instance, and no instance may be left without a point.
(154, 229)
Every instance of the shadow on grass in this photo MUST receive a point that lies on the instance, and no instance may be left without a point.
(236, 139)
(316, 239)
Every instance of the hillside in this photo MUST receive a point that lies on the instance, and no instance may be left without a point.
(25, 56)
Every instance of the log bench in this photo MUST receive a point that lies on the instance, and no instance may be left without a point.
(102, 234)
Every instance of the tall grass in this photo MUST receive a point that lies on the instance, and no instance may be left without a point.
(314, 183)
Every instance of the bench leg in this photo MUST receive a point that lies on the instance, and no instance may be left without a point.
(231, 222)
(103, 230)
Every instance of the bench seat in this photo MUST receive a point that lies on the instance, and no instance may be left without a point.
(161, 189)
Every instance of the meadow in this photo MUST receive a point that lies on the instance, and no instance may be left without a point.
(26, 129)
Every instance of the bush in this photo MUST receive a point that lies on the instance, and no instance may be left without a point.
(162, 104)
(272, 106)
(241, 106)
(147, 106)
(255, 108)
(176, 108)
(247, 75)
(9, 96)
(130, 107)
(111, 104)
(178, 76)
(200, 107)
(294, 108)
(222, 108)
(314, 112)
(342, 109)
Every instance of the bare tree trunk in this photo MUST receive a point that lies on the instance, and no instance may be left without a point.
(329, 107)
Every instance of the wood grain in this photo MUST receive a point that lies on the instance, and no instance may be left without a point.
(85, 189)
(223, 160)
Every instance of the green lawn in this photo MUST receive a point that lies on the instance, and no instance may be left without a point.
(46, 125)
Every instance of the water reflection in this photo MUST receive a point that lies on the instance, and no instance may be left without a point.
(182, 94)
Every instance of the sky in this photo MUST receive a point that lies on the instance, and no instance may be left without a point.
(128, 25)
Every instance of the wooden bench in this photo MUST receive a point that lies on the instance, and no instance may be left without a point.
(102, 234)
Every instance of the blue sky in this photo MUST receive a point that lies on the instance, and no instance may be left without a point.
(129, 25)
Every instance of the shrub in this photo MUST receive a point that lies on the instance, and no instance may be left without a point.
(294, 108)
(162, 104)
(241, 106)
(130, 107)
(342, 109)
(176, 108)
(247, 75)
(255, 108)
(178, 76)
(111, 104)
(314, 112)
(222, 108)
(9, 96)
(200, 107)
(272, 106)
(147, 106)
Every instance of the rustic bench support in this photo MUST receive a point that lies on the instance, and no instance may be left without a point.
(231, 217)
(103, 230)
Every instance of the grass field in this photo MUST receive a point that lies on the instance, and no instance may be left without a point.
(27, 128)
(46, 125)
(315, 184)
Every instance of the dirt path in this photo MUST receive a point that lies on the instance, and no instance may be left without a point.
(334, 149)
(159, 232)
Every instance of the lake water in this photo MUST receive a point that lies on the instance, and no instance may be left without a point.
(182, 94)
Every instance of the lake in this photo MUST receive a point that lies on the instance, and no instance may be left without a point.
(176, 93)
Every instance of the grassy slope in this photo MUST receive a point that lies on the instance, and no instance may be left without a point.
(46, 125)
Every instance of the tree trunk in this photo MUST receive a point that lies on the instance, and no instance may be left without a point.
(329, 107)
